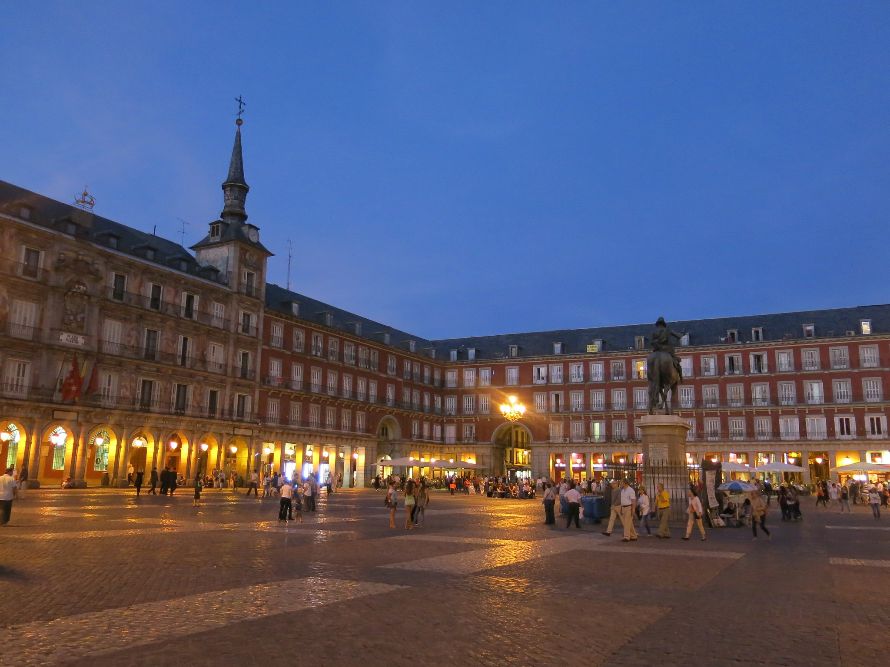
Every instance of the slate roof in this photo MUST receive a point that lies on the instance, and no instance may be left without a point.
(280, 299)
(231, 232)
(775, 327)
(54, 215)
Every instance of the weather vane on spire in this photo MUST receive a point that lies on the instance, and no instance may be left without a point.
(241, 105)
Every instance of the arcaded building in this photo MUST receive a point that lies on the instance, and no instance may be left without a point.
(123, 350)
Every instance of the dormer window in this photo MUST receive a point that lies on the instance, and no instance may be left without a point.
(386, 338)
(215, 230)
(71, 228)
(471, 353)
(329, 319)
(358, 328)
(809, 330)
(149, 253)
(433, 353)
(513, 350)
(452, 355)
(25, 213)
(183, 265)
(865, 327)
(595, 346)
(732, 336)
(295, 308)
(757, 334)
(113, 241)
(412, 346)
(639, 342)
(557, 348)
(684, 340)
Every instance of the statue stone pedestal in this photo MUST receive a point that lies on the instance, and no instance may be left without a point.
(664, 458)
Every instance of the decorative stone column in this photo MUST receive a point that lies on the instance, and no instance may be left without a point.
(664, 457)
(34, 457)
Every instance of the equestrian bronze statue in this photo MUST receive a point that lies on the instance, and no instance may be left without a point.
(663, 368)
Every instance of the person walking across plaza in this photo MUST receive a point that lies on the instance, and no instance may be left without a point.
(392, 502)
(694, 511)
(663, 511)
(628, 502)
(253, 484)
(285, 506)
(758, 514)
(199, 486)
(845, 498)
(874, 500)
(643, 508)
(23, 481)
(153, 480)
(614, 507)
(410, 504)
(573, 499)
(137, 481)
(423, 499)
(8, 492)
(549, 501)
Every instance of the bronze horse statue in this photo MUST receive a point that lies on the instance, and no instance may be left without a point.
(663, 378)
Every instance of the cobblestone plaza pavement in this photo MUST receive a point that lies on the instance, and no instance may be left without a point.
(100, 577)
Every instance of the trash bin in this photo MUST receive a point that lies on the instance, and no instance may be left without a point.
(594, 508)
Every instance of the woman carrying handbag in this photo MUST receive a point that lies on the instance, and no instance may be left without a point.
(694, 510)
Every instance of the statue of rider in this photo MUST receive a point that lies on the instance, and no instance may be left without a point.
(662, 342)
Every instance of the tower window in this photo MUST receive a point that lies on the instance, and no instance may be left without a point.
(214, 230)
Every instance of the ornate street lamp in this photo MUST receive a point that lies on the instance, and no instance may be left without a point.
(512, 410)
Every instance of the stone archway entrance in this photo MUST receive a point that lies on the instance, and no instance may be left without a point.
(512, 450)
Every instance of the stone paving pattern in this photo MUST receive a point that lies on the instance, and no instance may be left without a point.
(99, 577)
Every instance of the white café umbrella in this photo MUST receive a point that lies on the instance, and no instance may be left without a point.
(777, 466)
(732, 466)
(403, 461)
(863, 467)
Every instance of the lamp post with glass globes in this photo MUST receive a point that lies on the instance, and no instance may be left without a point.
(512, 410)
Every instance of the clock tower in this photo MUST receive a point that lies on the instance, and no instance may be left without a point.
(232, 245)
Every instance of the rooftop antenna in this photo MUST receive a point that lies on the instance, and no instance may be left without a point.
(289, 254)
(182, 225)
(85, 200)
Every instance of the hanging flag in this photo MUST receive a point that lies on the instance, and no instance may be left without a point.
(92, 386)
(71, 385)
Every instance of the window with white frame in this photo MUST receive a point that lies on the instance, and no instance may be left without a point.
(390, 395)
(469, 377)
(844, 426)
(872, 389)
(512, 375)
(839, 357)
(641, 398)
(484, 377)
(865, 327)
(451, 405)
(598, 431)
(427, 378)
(687, 396)
(317, 344)
(810, 359)
(112, 336)
(619, 430)
(556, 431)
(275, 371)
(576, 399)
(737, 428)
(372, 391)
(451, 377)
(763, 428)
(760, 394)
(785, 361)
(691, 434)
(363, 357)
(349, 353)
(557, 348)
(276, 334)
(469, 404)
(450, 433)
(556, 373)
(108, 383)
(484, 404)
(426, 430)
(437, 403)
(360, 423)
(315, 379)
(733, 364)
(710, 395)
(426, 401)
(708, 365)
(272, 407)
(787, 393)
(616, 369)
(597, 399)
(759, 363)
(332, 383)
(686, 367)
(877, 426)
(215, 357)
(330, 417)
(188, 306)
(469, 433)
(437, 432)
(789, 427)
(361, 389)
(556, 402)
(757, 334)
(345, 420)
(333, 349)
(816, 428)
(577, 431)
(619, 399)
(576, 372)
(639, 369)
(391, 364)
(218, 311)
(22, 319)
(347, 386)
(539, 374)
(809, 330)
(374, 362)
(842, 391)
(296, 377)
(596, 371)
(813, 392)
(540, 402)
(735, 395)
(406, 369)
(314, 416)
(712, 428)
(868, 356)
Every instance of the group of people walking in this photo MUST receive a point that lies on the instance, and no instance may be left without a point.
(415, 499)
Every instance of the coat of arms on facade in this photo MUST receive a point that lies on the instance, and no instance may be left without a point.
(76, 299)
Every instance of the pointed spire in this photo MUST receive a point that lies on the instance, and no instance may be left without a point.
(235, 187)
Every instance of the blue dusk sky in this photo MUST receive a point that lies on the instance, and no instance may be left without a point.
(470, 168)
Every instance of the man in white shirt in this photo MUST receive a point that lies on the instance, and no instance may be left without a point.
(573, 498)
(7, 495)
(285, 511)
(628, 500)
